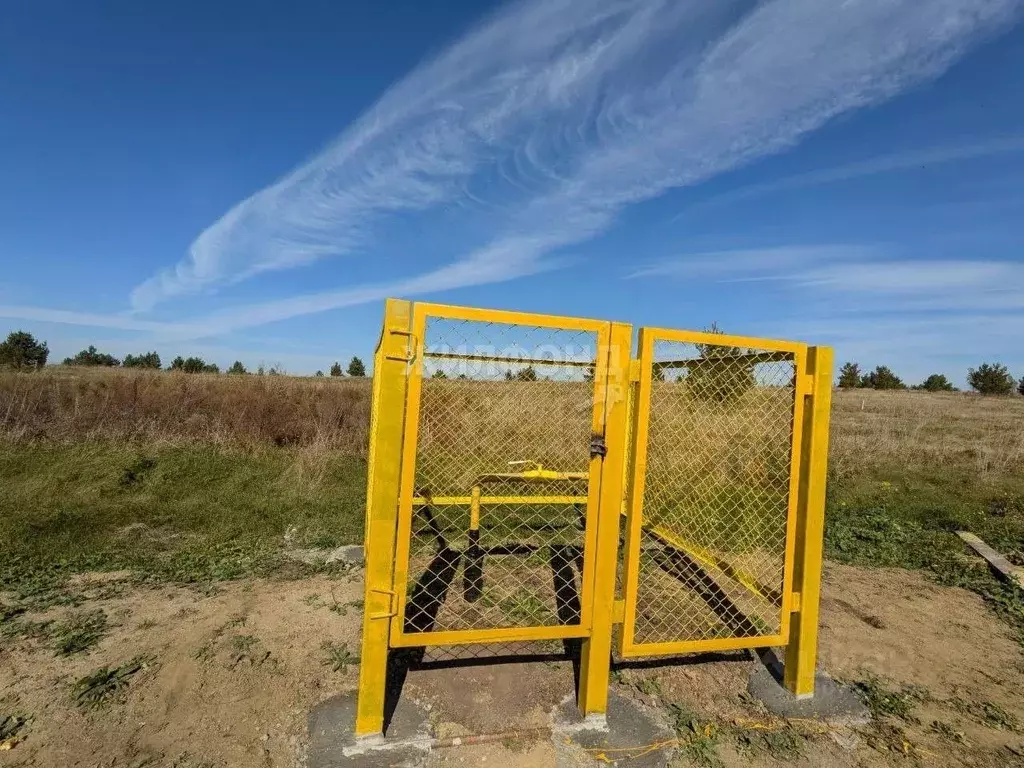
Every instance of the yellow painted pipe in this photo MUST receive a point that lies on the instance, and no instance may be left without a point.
(473, 575)
(474, 509)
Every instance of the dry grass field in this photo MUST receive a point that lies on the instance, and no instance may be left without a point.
(215, 466)
(873, 431)
(870, 430)
(63, 404)
(144, 519)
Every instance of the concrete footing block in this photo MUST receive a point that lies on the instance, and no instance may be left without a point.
(629, 732)
(333, 744)
(831, 702)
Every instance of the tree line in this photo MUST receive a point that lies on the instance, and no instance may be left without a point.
(22, 351)
(986, 379)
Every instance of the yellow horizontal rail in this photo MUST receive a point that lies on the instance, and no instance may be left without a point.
(556, 322)
(726, 340)
(464, 501)
(497, 635)
(711, 645)
(507, 359)
(708, 558)
(745, 358)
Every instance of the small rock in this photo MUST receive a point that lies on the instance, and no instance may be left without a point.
(846, 739)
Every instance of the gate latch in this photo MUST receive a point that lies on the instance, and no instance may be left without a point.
(597, 446)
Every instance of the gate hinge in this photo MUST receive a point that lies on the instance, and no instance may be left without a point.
(392, 610)
(634, 370)
(618, 611)
(410, 355)
(796, 602)
(598, 447)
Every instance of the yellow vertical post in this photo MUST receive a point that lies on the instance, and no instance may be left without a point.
(638, 430)
(802, 649)
(382, 485)
(596, 653)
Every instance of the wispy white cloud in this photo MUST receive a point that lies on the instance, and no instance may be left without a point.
(916, 346)
(486, 266)
(749, 263)
(865, 278)
(94, 319)
(554, 115)
(879, 165)
(919, 316)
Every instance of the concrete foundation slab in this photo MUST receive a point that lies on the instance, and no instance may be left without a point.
(831, 702)
(332, 743)
(630, 733)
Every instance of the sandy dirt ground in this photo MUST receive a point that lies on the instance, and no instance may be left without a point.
(228, 679)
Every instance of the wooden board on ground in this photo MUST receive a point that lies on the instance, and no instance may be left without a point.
(1009, 571)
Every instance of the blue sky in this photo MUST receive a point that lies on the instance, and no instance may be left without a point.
(249, 180)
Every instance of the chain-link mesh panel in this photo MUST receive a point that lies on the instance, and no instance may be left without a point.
(501, 485)
(716, 493)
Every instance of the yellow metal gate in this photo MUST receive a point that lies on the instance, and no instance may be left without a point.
(713, 492)
(506, 448)
(499, 486)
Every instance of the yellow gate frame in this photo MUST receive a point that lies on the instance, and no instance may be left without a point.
(628, 647)
(397, 376)
(407, 499)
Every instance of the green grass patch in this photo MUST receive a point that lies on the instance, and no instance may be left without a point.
(649, 686)
(784, 743)
(697, 739)
(886, 702)
(910, 521)
(106, 684)
(987, 713)
(79, 632)
(247, 649)
(180, 513)
(337, 656)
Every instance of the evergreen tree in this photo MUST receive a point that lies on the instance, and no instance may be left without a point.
(849, 376)
(91, 356)
(356, 367)
(882, 378)
(147, 360)
(937, 382)
(722, 373)
(990, 379)
(21, 351)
